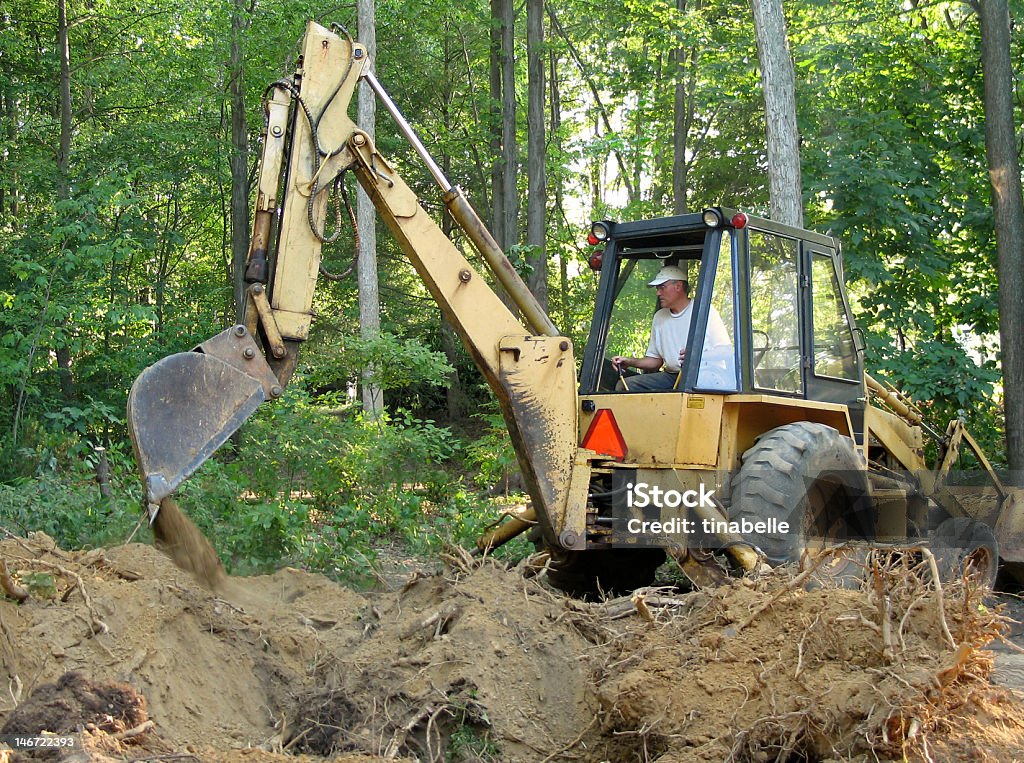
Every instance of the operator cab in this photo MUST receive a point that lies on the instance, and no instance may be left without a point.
(778, 290)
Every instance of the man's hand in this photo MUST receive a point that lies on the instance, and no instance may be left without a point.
(619, 362)
(682, 357)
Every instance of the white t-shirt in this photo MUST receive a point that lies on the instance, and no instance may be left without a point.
(669, 332)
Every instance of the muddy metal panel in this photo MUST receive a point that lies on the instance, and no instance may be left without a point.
(184, 407)
(538, 377)
(664, 428)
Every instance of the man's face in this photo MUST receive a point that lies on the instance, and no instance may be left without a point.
(669, 293)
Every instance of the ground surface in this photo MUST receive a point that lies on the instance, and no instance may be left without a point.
(481, 663)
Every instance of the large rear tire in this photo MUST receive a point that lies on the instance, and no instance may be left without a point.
(809, 476)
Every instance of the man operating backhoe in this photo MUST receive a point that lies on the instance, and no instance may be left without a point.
(670, 330)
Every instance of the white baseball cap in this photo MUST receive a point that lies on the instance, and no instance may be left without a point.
(668, 273)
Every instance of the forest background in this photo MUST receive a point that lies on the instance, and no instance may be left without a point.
(128, 133)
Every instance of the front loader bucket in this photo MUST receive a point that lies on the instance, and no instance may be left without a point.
(182, 408)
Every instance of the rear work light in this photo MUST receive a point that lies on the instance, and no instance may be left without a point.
(599, 232)
(603, 436)
(712, 217)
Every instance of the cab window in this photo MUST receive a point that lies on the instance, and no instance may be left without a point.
(717, 371)
(635, 305)
(834, 350)
(774, 308)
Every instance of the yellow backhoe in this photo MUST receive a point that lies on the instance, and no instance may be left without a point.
(779, 443)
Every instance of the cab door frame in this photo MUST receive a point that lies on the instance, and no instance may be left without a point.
(820, 387)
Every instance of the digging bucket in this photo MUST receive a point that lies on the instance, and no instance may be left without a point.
(183, 407)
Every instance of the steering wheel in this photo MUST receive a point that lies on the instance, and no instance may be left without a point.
(759, 352)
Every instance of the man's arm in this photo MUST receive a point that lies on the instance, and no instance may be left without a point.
(646, 363)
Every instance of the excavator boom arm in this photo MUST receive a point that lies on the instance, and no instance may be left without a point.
(530, 368)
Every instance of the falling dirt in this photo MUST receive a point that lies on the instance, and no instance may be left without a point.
(483, 663)
(181, 540)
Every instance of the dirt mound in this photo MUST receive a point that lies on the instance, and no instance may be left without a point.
(210, 668)
(762, 671)
(480, 663)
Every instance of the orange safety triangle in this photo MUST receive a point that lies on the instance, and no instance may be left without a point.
(603, 436)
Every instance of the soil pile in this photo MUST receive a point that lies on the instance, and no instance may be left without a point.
(481, 663)
(763, 670)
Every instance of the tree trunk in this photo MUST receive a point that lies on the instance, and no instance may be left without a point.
(61, 351)
(64, 146)
(682, 119)
(509, 159)
(536, 194)
(1008, 211)
(555, 107)
(778, 83)
(502, 123)
(239, 163)
(102, 469)
(456, 399)
(366, 216)
(3, 159)
(680, 133)
(8, 113)
(497, 185)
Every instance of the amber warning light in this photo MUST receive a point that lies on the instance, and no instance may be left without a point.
(603, 436)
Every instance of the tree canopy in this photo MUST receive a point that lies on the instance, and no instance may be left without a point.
(117, 249)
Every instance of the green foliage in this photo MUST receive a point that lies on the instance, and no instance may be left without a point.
(471, 744)
(40, 584)
(470, 740)
(394, 362)
(310, 481)
(86, 420)
(894, 165)
(68, 508)
(492, 455)
(318, 484)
